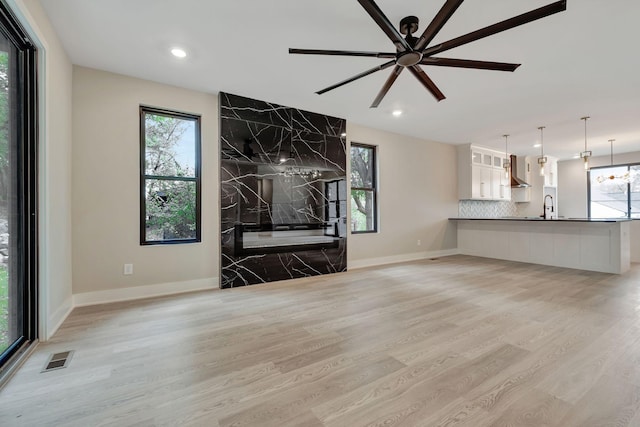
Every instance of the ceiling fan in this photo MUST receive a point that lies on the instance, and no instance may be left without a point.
(411, 52)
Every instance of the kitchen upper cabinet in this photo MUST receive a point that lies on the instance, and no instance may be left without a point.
(476, 157)
(481, 184)
(481, 174)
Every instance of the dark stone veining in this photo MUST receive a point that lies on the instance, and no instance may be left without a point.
(282, 175)
(317, 123)
(252, 110)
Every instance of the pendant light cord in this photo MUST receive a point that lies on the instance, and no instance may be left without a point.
(506, 146)
(585, 133)
(611, 144)
(585, 118)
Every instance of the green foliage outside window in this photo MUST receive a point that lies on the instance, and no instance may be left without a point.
(363, 203)
(4, 128)
(4, 191)
(4, 308)
(170, 173)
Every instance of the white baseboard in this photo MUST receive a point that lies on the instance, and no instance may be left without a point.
(55, 320)
(139, 292)
(415, 256)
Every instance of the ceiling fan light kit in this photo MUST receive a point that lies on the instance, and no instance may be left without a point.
(412, 52)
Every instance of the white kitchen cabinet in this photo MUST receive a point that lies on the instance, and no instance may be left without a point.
(481, 182)
(481, 174)
(476, 157)
(501, 185)
(499, 160)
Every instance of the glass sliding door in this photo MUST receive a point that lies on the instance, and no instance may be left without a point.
(18, 190)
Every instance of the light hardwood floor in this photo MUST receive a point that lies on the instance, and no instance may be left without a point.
(457, 341)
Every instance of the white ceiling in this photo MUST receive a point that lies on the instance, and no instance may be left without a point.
(583, 61)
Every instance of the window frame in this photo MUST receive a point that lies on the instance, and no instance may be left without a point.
(197, 178)
(26, 225)
(373, 188)
(628, 166)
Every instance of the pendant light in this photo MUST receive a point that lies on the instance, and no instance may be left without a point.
(624, 178)
(586, 153)
(542, 160)
(507, 163)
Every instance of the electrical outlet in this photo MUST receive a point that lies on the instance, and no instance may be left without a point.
(128, 269)
(419, 242)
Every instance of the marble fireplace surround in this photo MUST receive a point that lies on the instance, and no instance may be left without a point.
(283, 192)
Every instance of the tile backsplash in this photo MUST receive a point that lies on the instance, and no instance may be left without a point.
(486, 209)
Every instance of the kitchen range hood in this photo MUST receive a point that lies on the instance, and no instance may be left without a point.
(515, 181)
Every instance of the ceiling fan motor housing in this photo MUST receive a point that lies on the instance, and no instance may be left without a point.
(409, 24)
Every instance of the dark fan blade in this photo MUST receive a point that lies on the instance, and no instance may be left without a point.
(387, 85)
(469, 63)
(386, 25)
(437, 23)
(533, 15)
(427, 82)
(358, 76)
(342, 53)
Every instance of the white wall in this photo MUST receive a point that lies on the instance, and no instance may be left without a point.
(572, 191)
(55, 80)
(417, 192)
(106, 168)
(418, 182)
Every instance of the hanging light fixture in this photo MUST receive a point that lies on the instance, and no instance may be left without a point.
(585, 154)
(506, 164)
(622, 178)
(542, 160)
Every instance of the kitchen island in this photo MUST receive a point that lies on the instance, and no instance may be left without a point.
(587, 244)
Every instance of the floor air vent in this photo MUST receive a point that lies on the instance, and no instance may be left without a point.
(58, 361)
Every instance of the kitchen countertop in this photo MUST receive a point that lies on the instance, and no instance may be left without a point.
(540, 219)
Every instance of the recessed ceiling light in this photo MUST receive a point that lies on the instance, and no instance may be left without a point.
(397, 113)
(538, 145)
(343, 134)
(179, 53)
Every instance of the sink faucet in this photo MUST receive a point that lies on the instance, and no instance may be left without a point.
(546, 214)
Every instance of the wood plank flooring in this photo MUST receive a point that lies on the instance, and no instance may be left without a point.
(456, 341)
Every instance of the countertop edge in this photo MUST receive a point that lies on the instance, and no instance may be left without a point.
(593, 220)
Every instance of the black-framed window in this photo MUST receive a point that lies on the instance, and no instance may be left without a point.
(614, 191)
(18, 191)
(170, 184)
(364, 208)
